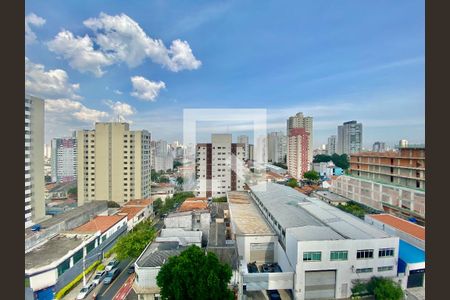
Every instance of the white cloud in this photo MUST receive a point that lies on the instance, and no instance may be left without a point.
(117, 92)
(69, 109)
(145, 89)
(182, 57)
(120, 39)
(80, 52)
(48, 84)
(121, 110)
(32, 19)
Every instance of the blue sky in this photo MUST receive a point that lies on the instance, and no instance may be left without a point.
(145, 61)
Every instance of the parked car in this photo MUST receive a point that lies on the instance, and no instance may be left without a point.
(111, 265)
(273, 295)
(85, 291)
(131, 269)
(111, 276)
(99, 277)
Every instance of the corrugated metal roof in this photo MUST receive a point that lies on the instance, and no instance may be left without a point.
(293, 209)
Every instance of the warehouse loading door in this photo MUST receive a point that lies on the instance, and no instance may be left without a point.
(320, 285)
(262, 252)
(415, 278)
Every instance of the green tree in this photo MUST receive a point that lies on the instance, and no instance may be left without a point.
(194, 275)
(311, 175)
(384, 289)
(180, 180)
(164, 179)
(72, 191)
(340, 161)
(132, 244)
(321, 158)
(292, 183)
(112, 204)
(157, 205)
(219, 199)
(281, 165)
(176, 164)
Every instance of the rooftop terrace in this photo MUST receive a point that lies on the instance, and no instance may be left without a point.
(246, 216)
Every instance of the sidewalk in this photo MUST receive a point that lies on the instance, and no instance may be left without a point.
(72, 295)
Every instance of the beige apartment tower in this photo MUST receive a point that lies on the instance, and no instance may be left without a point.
(113, 163)
(34, 161)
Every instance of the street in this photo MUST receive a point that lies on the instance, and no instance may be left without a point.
(110, 290)
(107, 291)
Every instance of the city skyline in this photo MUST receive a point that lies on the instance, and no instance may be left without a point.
(296, 60)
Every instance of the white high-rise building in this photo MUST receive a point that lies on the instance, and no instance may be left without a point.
(162, 156)
(243, 139)
(403, 144)
(297, 160)
(276, 147)
(47, 151)
(331, 145)
(220, 166)
(34, 160)
(349, 138)
(64, 159)
(113, 163)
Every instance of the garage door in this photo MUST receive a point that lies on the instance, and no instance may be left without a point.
(320, 284)
(262, 252)
(415, 278)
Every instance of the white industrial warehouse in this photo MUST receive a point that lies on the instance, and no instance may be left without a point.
(290, 242)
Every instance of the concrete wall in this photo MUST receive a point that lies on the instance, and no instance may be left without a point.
(345, 270)
(183, 221)
(374, 194)
(244, 241)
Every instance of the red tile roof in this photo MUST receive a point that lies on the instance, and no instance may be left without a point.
(130, 211)
(403, 225)
(189, 205)
(102, 223)
(139, 202)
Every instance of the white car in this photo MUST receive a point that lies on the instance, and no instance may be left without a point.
(85, 291)
(111, 265)
(99, 277)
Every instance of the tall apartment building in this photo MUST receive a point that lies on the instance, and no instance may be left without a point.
(276, 147)
(405, 167)
(113, 163)
(243, 139)
(403, 143)
(379, 147)
(298, 161)
(349, 138)
(299, 121)
(162, 156)
(331, 145)
(64, 159)
(34, 160)
(219, 166)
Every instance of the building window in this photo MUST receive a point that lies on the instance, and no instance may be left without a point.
(338, 255)
(312, 256)
(384, 252)
(364, 270)
(363, 254)
(385, 268)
